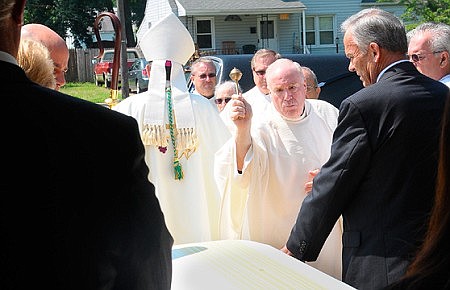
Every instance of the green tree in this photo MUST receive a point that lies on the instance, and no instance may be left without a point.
(135, 10)
(78, 17)
(419, 11)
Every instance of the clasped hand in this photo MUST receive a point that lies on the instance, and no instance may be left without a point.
(239, 108)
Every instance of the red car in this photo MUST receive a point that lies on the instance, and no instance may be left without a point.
(103, 67)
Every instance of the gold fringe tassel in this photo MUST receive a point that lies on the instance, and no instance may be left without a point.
(154, 135)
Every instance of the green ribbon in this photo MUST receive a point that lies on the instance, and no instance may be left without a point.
(176, 161)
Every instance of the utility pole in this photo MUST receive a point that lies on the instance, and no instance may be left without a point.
(124, 54)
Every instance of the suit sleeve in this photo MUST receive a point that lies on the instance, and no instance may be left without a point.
(147, 243)
(334, 186)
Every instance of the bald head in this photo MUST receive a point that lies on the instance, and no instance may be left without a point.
(55, 44)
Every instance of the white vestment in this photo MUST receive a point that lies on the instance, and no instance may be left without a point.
(190, 205)
(258, 100)
(263, 202)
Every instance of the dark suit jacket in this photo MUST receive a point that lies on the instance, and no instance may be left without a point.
(77, 210)
(380, 178)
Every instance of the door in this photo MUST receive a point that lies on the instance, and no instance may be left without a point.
(267, 32)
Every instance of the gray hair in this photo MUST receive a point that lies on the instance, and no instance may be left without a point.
(313, 75)
(197, 62)
(440, 40)
(226, 86)
(264, 52)
(379, 26)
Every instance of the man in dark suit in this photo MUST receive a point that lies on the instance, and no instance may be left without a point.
(382, 170)
(77, 210)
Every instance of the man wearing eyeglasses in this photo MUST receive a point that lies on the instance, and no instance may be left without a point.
(203, 75)
(263, 168)
(312, 86)
(223, 94)
(258, 97)
(55, 44)
(428, 49)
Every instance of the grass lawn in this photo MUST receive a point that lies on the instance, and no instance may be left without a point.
(88, 91)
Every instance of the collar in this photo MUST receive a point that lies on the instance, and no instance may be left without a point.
(389, 66)
(445, 80)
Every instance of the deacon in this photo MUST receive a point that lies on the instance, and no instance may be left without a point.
(181, 133)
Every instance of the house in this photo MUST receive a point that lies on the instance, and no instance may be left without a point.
(287, 26)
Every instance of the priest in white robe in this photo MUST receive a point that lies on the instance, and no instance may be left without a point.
(181, 133)
(263, 169)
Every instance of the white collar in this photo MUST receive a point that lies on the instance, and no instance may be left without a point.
(389, 66)
(445, 80)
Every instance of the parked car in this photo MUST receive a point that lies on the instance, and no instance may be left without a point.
(334, 78)
(137, 76)
(103, 66)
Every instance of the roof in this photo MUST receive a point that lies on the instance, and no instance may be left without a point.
(221, 7)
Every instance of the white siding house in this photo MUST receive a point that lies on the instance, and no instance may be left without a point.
(287, 26)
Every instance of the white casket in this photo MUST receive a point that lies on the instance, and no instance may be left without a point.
(241, 264)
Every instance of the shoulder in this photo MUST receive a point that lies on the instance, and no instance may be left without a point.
(131, 104)
(322, 105)
(251, 93)
(198, 100)
(80, 113)
(325, 111)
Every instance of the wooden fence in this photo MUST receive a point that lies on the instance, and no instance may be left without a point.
(81, 68)
(80, 65)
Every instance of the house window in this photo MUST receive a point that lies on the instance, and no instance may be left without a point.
(320, 30)
(205, 33)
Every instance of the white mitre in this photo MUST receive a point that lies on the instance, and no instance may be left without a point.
(169, 40)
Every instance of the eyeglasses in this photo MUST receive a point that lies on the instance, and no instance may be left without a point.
(57, 70)
(260, 72)
(416, 57)
(204, 76)
(219, 101)
(291, 90)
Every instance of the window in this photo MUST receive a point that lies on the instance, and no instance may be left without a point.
(320, 30)
(205, 33)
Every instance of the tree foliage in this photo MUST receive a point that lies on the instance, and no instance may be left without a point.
(77, 17)
(419, 11)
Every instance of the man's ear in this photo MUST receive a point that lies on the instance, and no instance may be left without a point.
(17, 11)
(444, 57)
(374, 50)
